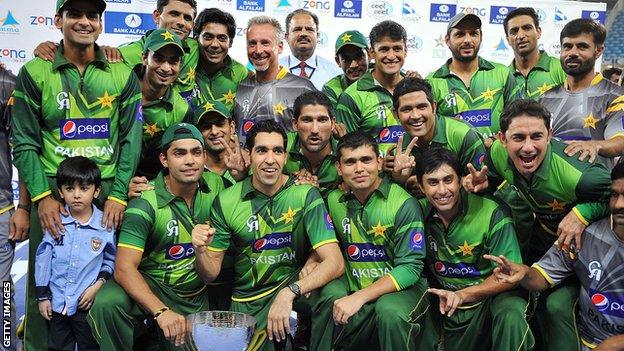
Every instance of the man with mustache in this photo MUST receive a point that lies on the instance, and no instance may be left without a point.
(564, 193)
(597, 267)
(588, 110)
(218, 75)
(352, 57)
(534, 70)
(367, 104)
(467, 86)
(271, 93)
(302, 27)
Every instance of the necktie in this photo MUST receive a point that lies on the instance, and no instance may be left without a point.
(302, 71)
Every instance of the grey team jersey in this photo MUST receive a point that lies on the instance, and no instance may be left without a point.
(271, 100)
(599, 268)
(595, 113)
(7, 84)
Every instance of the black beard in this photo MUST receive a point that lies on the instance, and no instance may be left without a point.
(457, 56)
(584, 68)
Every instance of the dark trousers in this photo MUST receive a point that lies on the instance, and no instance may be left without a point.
(66, 331)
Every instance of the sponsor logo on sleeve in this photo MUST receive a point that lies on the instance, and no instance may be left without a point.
(417, 240)
(329, 224)
(390, 134)
(247, 125)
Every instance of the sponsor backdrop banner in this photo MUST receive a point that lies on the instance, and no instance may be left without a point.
(23, 26)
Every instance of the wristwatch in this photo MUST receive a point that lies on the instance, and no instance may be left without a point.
(295, 289)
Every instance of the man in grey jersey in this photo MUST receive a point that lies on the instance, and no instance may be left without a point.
(588, 109)
(598, 266)
(271, 93)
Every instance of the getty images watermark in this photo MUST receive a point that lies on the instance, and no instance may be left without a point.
(7, 287)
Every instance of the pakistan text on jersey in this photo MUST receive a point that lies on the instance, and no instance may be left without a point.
(273, 259)
(86, 151)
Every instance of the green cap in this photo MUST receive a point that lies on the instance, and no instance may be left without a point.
(351, 37)
(211, 106)
(180, 131)
(101, 5)
(160, 38)
(463, 17)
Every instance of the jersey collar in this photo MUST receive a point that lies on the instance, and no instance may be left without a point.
(227, 70)
(163, 197)
(383, 190)
(445, 71)
(60, 60)
(542, 64)
(94, 222)
(249, 191)
(431, 212)
(597, 79)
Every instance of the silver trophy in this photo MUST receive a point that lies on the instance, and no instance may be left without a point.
(221, 330)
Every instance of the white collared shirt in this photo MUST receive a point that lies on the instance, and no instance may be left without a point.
(318, 69)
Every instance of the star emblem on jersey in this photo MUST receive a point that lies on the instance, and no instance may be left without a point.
(151, 129)
(556, 205)
(229, 97)
(279, 109)
(289, 215)
(167, 35)
(346, 38)
(590, 121)
(191, 74)
(466, 249)
(544, 88)
(208, 106)
(106, 100)
(488, 94)
(379, 230)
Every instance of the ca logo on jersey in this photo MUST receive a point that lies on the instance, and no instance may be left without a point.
(432, 243)
(346, 225)
(172, 228)
(595, 270)
(381, 112)
(450, 99)
(252, 223)
(62, 99)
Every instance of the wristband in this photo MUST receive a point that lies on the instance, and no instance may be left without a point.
(160, 311)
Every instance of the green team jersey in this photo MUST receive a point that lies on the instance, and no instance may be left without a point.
(561, 184)
(326, 172)
(62, 113)
(491, 87)
(456, 136)
(271, 236)
(546, 75)
(455, 254)
(159, 225)
(366, 105)
(132, 54)
(385, 236)
(334, 87)
(221, 86)
(159, 115)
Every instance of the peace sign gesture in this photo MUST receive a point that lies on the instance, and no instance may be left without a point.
(234, 159)
(403, 160)
(476, 180)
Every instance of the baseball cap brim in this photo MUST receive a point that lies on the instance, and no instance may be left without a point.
(464, 18)
(100, 4)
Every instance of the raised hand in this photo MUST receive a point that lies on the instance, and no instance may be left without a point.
(449, 300)
(507, 271)
(234, 159)
(404, 162)
(476, 180)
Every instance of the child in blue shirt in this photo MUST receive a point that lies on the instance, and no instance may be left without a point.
(70, 269)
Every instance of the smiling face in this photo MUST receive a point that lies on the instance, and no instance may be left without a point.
(579, 54)
(80, 23)
(464, 42)
(215, 129)
(268, 157)
(215, 42)
(163, 66)
(417, 115)
(302, 35)
(359, 168)
(185, 160)
(353, 61)
(176, 16)
(389, 55)
(522, 35)
(526, 141)
(442, 188)
(263, 47)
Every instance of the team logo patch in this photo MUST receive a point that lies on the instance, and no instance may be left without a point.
(417, 240)
(364, 252)
(84, 128)
(272, 241)
(328, 222)
(179, 251)
(96, 243)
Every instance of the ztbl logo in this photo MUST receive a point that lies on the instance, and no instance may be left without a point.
(363, 252)
(180, 251)
(84, 128)
(272, 241)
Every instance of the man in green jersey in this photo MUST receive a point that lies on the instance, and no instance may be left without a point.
(476, 311)
(416, 110)
(154, 268)
(218, 74)
(367, 104)
(352, 57)
(175, 15)
(381, 302)
(162, 107)
(312, 145)
(78, 104)
(467, 86)
(272, 225)
(565, 195)
(534, 70)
